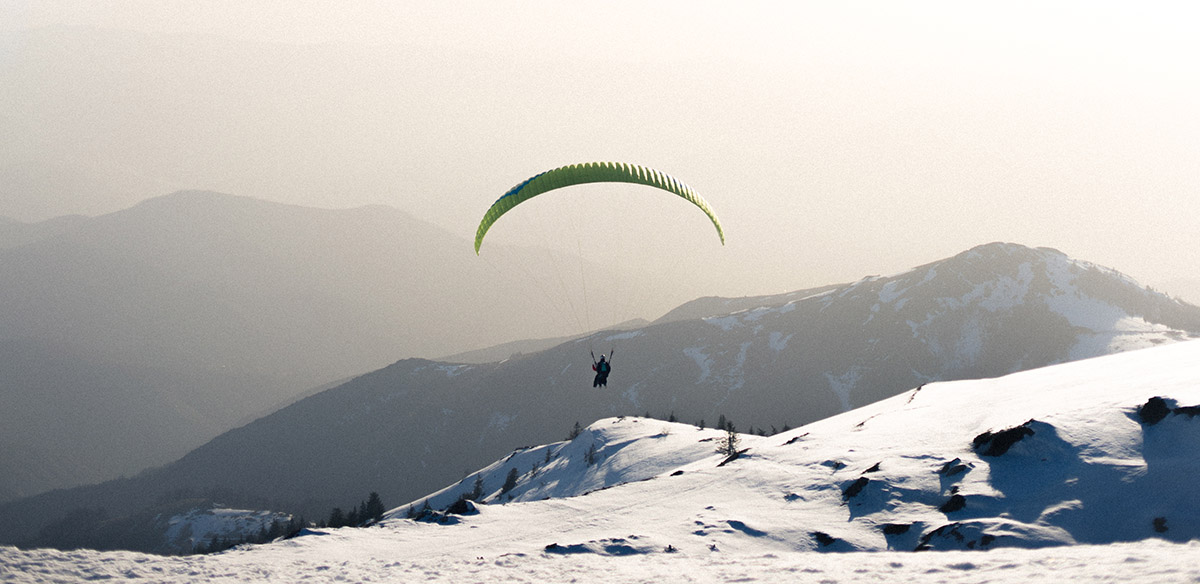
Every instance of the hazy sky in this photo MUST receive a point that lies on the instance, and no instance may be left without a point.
(834, 139)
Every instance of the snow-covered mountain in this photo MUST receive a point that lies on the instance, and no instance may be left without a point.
(416, 425)
(1081, 471)
(1096, 451)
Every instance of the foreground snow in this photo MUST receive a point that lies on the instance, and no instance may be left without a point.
(1087, 491)
(376, 556)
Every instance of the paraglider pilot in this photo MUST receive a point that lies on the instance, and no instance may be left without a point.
(602, 368)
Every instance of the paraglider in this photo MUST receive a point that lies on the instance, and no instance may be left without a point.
(602, 368)
(591, 172)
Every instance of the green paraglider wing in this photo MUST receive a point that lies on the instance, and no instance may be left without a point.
(591, 172)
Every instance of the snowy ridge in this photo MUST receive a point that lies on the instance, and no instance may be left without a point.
(954, 307)
(1067, 467)
(623, 450)
(1084, 469)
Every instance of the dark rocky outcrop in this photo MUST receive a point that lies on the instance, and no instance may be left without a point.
(1153, 411)
(463, 507)
(997, 443)
(956, 503)
(824, 538)
(1156, 409)
(733, 457)
(961, 535)
(855, 488)
(952, 468)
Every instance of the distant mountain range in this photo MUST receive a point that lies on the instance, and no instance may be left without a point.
(762, 363)
(129, 339)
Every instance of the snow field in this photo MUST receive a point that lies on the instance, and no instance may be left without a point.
(1086, 491)
(1148, 562)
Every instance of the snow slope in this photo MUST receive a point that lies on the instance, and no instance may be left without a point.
(1091, 491)
(1086, 469)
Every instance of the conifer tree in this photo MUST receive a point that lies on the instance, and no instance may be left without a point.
(336, 518)
(510, 482)
(374, 509)
(728, 445)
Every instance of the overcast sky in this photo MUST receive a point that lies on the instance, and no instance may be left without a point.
(834, 139)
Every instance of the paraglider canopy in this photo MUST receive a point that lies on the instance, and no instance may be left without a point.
(591, 172)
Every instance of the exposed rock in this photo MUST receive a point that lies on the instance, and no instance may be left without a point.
(823, 538)
(855, 488)
(1153, 411)
(1157, 408)
(796, 439)
(956, 503)
(952, 468)
(733, 457)
(617, 546)
(947, 532)
(434, 516)
(896, 528)
(990, 533)
(997, 443)
(463, 507)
